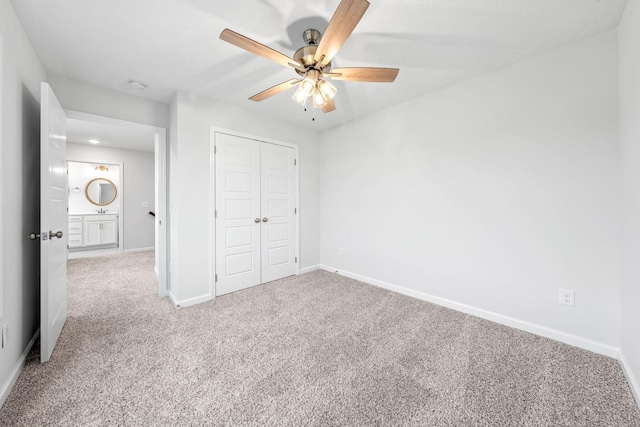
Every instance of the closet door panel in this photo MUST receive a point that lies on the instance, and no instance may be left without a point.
(278, 215)
(238, 207)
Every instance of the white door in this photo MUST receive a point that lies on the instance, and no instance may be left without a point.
(53, 221)
(237, 213)
(278, 212)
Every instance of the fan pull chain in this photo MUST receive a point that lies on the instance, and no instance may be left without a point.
(313, 112)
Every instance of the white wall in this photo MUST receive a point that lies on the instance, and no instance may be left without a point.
(21, 77)
(629, 40)
(137, 187)
(191, 223)
(492, 193)
(87, 98)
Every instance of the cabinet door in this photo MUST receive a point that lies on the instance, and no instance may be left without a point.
(109, 232)
(92, 233)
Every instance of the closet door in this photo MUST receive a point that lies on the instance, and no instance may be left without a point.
(238, 219)
(278, 214)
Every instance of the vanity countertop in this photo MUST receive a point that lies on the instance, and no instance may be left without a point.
(93, 213)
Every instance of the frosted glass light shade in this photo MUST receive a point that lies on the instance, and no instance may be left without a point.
(327, 90)
(318, 100)
(300, 97)
(307, 85)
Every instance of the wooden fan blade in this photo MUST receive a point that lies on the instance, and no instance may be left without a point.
(275, 90)
(329, 107)
(363, 74)
(344, 20)
(256, 48)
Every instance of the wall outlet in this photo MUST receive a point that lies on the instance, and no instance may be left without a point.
(5, 335)
(340, 251)
(566, 297)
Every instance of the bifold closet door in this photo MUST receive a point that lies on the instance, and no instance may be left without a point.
(278, 216)
(255, 204)
(238, 213)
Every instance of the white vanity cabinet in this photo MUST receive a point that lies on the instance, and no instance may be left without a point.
(100, 230)
(75, 231)
(93, 230)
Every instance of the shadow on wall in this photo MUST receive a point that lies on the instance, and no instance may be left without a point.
(30, 191)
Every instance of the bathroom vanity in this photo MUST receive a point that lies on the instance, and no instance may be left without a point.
(94, 206)
(93, 230)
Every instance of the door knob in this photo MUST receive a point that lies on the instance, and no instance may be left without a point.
(265, 219)
(34, 236)
(257, 220)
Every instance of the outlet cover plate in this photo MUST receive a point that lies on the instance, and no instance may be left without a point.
(566, 297)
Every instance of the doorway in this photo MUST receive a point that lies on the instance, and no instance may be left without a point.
(145, 151)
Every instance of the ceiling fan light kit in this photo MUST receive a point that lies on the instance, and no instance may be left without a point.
(313, 61)
(312, 85)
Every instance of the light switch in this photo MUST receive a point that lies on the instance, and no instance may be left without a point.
(145, 204)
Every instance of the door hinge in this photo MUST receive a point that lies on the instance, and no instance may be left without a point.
(215, 213)
(295, 211)
(216, 277)
(215, 149)
(296, 260)
(295, 162)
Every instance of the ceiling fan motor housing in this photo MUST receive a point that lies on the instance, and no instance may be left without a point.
(305, 55)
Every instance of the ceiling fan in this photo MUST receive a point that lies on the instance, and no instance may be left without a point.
(313, 61)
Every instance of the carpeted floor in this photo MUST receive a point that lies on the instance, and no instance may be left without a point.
(317, 349)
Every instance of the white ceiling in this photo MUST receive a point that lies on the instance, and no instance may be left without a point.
(174, 44)
(80, 131)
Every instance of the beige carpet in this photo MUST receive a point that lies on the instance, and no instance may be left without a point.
(317, 349)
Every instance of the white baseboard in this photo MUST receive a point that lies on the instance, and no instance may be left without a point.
(631, 379)
(533, 328)
(17, 369)
(173, 299)
(189, 302)
(129, 251)
(310, 269)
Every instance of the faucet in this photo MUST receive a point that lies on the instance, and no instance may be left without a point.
(101, 211)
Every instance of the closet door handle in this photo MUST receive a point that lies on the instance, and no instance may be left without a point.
(265, 219)
(257, 220)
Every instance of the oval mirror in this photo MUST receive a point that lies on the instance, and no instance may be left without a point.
(100, 191)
